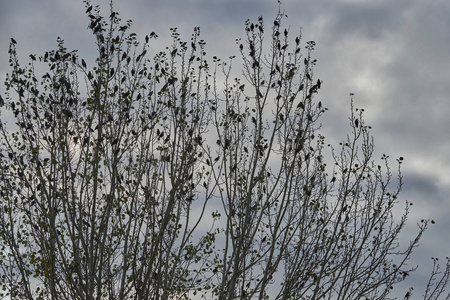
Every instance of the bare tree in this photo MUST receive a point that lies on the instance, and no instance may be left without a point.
(129, 177)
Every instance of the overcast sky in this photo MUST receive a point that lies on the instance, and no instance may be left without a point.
(393, 55)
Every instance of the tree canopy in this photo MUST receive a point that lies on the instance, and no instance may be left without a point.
(172, 176)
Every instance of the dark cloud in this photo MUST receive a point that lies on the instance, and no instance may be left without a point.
(422, 186)
(372, 19)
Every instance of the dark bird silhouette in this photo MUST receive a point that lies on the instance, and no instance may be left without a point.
(13, 41)
(308, 76)
(404, 274)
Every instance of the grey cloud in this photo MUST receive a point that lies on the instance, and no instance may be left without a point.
(419, 186)
(371, 19)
